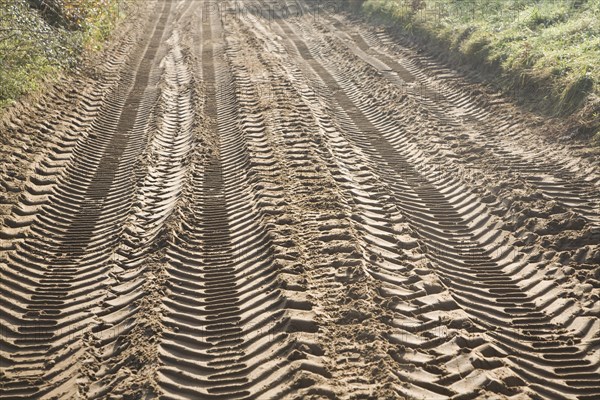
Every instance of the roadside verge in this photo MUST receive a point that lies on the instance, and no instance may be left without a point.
(542, 54)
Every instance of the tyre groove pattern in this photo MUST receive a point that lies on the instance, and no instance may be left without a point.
(135, 271)
(231, 341)
(461, 254)
(556, 179)
(259, 204)
(384, 262)
(60, 270)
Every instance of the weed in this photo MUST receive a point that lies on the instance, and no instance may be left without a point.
(40, 38)
(553, 44)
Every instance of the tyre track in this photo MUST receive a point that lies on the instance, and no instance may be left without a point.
(321, 230)
(124, 356)
(318, 234)
(49, 129)
(237, 346)
(253, 210)
(139, 277)
(382, 260)
(457, 239)
(474, 124)
(61, 272)
(542, 229)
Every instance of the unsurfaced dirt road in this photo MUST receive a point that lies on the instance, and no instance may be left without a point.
(269, 200)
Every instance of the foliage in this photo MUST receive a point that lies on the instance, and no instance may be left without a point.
(39, 38)
(549, 43)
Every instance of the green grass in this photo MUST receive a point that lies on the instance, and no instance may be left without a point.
(37, 44)
(547, 50)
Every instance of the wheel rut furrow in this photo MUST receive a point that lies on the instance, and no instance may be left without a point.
(555, 180)
(130, 314)
(225, 317)
(214, 336)
(67, 276)
(379, 232)
(433, 203)
(271, 200)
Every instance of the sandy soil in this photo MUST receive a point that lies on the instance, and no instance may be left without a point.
(272, 201)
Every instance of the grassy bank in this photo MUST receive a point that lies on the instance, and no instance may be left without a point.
(545, 52)
(41, 38)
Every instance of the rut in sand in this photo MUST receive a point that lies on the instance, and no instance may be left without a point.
(269, 204)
